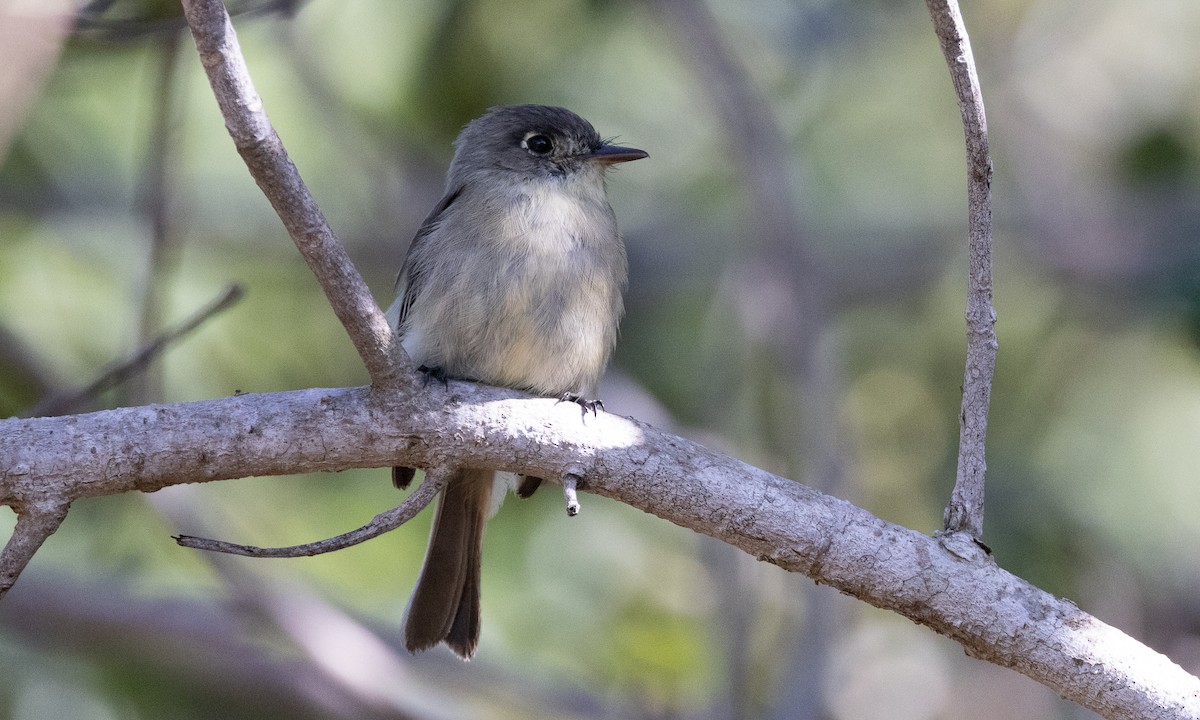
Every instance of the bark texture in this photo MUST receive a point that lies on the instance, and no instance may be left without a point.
(948, 584)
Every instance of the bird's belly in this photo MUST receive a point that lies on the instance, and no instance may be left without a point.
(548, 328)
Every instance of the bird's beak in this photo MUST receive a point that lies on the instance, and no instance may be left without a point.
(613, 154)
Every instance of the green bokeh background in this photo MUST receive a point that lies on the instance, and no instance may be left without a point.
(1094, 446)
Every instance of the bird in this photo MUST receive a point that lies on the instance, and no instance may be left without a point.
(516, 279)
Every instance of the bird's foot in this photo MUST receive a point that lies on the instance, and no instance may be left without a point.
(594, 405)
(435, 373)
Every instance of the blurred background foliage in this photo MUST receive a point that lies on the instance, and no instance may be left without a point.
(797, 289)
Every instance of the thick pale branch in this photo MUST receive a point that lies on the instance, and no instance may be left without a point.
(268, 162)
(948, 585)
(964, 512)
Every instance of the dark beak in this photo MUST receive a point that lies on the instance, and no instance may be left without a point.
(612, 154)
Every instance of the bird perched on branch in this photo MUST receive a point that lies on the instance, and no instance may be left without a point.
(514, 279)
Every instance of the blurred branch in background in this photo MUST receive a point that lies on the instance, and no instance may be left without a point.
(162, 257)
(779, 282)
(125, 21)
(210, 645)
(20, 363)
(201, 649)
(117, 373)
(329, 663)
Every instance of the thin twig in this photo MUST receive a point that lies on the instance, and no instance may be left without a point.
(965, 509)
(434, 481)
(120, 372)
(269, 164)
(570, 486)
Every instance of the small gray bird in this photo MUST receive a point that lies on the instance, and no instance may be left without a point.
(514, 279)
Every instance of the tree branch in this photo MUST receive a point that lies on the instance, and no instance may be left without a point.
(965, 509)
(277, 177)
(35, 523)
(947, 584)
(382, 523)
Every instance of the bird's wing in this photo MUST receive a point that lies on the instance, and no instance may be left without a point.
(408, 281)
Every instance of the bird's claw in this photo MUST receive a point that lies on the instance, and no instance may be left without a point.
(594, 405)
(434, 373)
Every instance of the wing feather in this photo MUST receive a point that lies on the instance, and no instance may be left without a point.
(408, 281)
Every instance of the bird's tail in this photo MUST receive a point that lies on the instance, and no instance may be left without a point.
(445, 603)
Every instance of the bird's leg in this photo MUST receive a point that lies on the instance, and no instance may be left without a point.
(527, 485)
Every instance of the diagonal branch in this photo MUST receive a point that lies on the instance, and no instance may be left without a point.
(119, 372)
(277, 177)
(965, 509)
(947, 584)
(35, 523)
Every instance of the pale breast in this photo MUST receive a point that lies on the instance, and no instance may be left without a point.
(536, 303)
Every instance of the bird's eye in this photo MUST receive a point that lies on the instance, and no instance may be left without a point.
(538, 144)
